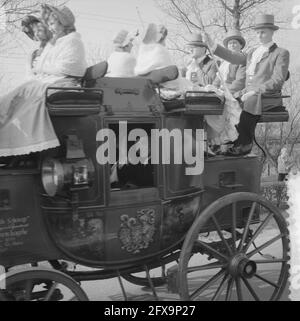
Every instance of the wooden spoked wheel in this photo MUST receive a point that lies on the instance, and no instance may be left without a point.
(36, 284)
(244, 259)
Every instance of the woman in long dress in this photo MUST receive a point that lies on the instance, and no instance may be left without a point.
(25, 125)
(230, 80)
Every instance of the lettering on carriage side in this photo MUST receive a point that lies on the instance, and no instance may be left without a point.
(114, 311)
(13, 230)
(296, 19)
(136, 233)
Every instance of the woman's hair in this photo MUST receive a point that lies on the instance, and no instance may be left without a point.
(27, 25)
(67, 29)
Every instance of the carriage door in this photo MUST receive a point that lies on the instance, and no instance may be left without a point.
(183, 178)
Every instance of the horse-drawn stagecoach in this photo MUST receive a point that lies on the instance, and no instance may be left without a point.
(217, 232)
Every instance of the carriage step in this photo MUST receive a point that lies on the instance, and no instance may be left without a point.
(172, 279)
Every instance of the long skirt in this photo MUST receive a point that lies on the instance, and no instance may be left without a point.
(222, 128)
(25, 125)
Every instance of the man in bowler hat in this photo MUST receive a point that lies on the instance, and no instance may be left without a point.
(266, 71)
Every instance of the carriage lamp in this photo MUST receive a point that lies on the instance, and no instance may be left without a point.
(67, 175)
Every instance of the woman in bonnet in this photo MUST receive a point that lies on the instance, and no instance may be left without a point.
(25, 125)
(121, 62)
(36, 30)
(153, 55)
(230, 80)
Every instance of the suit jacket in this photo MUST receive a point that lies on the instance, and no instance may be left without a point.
(236, 78)
(270, 75)
(207, 72)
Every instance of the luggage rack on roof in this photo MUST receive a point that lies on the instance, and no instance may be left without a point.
(208, 103)
(196, 103)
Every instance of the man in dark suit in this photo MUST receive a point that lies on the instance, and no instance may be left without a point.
(266, 68)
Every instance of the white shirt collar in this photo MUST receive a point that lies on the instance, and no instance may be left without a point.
(268, 45)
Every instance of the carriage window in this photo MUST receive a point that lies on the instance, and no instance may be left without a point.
(133, 176)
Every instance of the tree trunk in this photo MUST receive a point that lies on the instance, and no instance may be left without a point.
(236, 16)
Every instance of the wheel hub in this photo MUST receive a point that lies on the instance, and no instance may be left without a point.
(240, 265)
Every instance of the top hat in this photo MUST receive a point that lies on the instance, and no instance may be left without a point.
(265, 21)
(195, 40)
(234, 34)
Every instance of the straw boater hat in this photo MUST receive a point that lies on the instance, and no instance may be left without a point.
(124, 37)
(195, 40)
(64, 15)
(234, 34)
(265, 21)
(154, 33)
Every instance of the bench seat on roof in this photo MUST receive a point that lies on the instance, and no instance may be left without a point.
(212, 107)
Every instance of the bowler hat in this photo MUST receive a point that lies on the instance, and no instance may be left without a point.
(195, 40)
(265, 21)
(234, 34)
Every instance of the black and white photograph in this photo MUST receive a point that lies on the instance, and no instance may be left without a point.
(149, 151)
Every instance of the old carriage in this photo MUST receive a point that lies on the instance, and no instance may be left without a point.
(213, 231)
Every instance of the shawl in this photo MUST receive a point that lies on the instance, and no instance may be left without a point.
(121, 64)
(65, 58)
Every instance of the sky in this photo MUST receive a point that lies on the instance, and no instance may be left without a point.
(99, 20)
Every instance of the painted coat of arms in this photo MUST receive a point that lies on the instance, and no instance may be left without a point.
(136, 233)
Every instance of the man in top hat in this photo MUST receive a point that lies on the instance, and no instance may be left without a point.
(201, 69)
(266, 70)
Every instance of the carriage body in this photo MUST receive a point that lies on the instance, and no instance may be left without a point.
(97, 226)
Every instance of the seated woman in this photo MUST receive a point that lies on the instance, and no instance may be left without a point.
(121, 62)
(153, 55)
(231, 79)
(234, 76)
(36, 30)
(25, 125)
